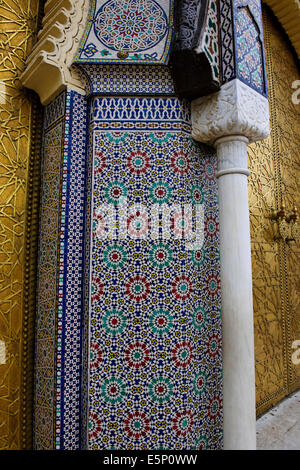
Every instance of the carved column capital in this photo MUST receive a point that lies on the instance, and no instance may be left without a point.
(236, 109)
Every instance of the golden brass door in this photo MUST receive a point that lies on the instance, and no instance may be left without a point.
(275, 176)
(20, 121)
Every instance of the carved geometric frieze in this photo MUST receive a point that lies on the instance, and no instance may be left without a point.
(236, 109)
(288, 13)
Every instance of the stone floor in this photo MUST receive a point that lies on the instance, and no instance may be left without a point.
(279, 429)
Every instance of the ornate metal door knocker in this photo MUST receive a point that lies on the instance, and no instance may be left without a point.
(286, 226)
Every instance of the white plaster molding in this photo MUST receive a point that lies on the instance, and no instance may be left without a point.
(233, 171)
(236, 109)
(49, 67)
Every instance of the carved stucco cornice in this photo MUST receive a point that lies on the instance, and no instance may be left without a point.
(288, 13)
(49, 67)
(236, 109)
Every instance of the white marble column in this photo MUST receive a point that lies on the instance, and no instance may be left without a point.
(236, 288)
(229, 120)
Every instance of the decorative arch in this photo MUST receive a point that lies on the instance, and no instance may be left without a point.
(288, 13)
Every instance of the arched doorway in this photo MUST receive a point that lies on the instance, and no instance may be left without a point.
(275, 176)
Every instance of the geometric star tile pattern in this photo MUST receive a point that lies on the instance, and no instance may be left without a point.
(155, 330)
(128, 32)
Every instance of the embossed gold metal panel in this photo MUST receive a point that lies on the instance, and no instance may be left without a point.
(18, 222)
(274, 164)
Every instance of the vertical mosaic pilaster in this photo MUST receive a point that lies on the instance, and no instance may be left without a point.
(242, 45)
(70, 308)
(154, 345)
(57, 411)
(47, 278)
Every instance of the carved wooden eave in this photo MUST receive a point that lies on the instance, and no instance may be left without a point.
(288, 13)
(49, 67)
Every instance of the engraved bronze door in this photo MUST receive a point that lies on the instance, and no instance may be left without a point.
(275, 175)
(20, 144)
